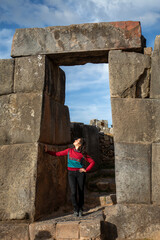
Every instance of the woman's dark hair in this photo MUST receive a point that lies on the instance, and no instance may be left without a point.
(82, 148)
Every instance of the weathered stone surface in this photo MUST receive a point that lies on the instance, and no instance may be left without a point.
(55, 122)
(20, 117)
(6, 76)
(155, 76)
(138, 221)
(25, 117)
(148, 51)
(51, 182)
(29, 74)
(33, 183)
(80, 38)
(68, 230)
(155, 173)
(14, 231)
(42, 230)
(129, 74)
(136, 120)
(133, 172)
(18, 167)
(90, 229)
(39, 73)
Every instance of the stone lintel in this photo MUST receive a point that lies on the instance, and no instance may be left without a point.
(89, 39)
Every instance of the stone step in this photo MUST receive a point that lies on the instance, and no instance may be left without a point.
(96, 199)
(68, 227)
(102, 185)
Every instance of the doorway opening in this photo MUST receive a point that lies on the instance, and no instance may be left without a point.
(88, 97)
(87, 92)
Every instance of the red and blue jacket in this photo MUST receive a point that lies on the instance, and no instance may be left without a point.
(75, 159)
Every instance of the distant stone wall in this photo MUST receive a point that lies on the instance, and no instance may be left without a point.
(102, 125)
(106, 150)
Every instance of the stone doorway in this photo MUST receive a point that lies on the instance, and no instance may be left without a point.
(37, 83)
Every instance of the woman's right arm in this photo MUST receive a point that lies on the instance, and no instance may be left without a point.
(60, 153)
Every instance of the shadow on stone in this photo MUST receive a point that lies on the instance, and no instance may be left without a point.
(108, 231)
(43, 235)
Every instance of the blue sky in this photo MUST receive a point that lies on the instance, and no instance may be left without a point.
(87, 86)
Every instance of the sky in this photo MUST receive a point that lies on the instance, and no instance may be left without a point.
(87, 86)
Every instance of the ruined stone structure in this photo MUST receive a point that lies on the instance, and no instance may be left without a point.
(33, 113)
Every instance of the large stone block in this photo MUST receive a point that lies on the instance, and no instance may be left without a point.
(26, 117)
(155, 173)
(51, 182)
(133, 172)
(68, 230)
(42, 230)
(55, 122)
(90, 229)
(132, 222)
(91, 41)
(18, 169)
(39, 73)
(129, 74)
(33, 183)
(136, 120)
(20, 117)
(155, 76)
(6, 76)
(14, 231)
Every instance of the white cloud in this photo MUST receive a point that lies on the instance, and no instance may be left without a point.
(86, 76)
(25, 13)
(80, 113)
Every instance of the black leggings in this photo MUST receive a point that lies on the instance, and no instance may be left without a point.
(77, 179)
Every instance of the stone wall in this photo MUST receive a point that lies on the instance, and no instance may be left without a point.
(32, 114)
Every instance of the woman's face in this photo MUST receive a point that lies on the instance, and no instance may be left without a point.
(77, 142)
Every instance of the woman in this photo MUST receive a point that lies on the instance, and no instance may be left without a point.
(76, 171)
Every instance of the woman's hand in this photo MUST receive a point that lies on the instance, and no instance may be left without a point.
(82, 170)
(45, 148)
